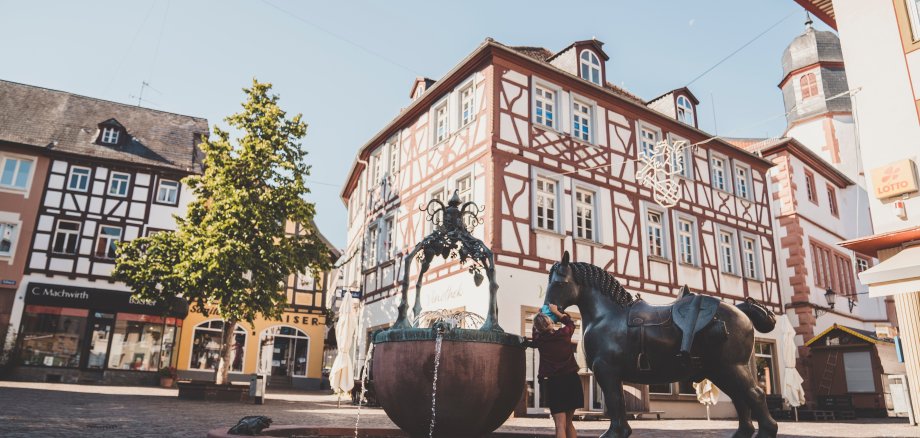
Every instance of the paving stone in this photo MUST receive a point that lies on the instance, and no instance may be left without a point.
(61, 410)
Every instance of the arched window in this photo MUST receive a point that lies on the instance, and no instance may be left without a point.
(590, 67)
(684, 110)
(206, 347)
(808, 85)
(284, 351)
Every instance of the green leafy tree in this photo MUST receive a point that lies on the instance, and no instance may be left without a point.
(230, 254)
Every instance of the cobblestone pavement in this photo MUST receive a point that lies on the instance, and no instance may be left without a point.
(59, 410)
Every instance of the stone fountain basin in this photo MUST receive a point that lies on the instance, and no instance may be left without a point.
(481, 378)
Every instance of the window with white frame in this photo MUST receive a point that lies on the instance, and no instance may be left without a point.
(684, 110)
(441, 130)
(108, 237)
(8, 235)
(742, 181)
(727, 251)
(861, 264)
(14, 173)
(109, 135)
(680, 160)
(377, 164)
(466, 104)
(79, 179)
(686, 230)
(749, 257)
(545, 106)
(438, 194)
(656, 233)
(581, 121)
(648, 140)
(118, 184)
(372, 237)
(393, 154)
(66, 237)
(590, 67)
(464, 187)
(546, 203)
(913, 10)
(389, 238)
(717, 164)
(584, 214)
(167, 191)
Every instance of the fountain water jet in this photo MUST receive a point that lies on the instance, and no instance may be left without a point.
(364, 373)
(434, 385)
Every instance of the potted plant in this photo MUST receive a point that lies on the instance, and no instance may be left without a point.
(167, 376)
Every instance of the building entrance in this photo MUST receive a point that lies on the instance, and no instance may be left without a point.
(284, 352)
(100, 333)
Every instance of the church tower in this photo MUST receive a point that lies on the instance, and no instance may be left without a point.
(819, 112)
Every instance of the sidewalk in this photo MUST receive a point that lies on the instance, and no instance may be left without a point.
(63, 410)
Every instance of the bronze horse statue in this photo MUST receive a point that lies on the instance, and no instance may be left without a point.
(628, 340)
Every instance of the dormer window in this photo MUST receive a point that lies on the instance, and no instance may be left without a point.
(685, 110)
(590, 67)
(110, 135)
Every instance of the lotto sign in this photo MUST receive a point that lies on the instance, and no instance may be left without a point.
(894, 179)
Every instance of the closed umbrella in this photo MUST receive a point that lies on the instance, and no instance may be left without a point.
(341, 377)
(707, 394)
(792, 380)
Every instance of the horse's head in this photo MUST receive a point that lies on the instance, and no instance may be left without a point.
(563, 290)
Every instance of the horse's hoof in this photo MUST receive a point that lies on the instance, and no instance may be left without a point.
(743, 433)
(765, 434)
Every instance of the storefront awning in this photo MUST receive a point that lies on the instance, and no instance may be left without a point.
(897, 275)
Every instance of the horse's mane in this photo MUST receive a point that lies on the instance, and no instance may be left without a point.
(587, 274)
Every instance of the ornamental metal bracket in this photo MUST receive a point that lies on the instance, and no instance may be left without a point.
(451, 238)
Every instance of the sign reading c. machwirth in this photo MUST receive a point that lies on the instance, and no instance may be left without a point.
(894, 179)
(96, 299)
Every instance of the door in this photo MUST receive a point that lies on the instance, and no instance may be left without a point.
(281, 356)
(99, 336)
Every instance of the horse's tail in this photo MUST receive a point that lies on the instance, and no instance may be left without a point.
(763, 319)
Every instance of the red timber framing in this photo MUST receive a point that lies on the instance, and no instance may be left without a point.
(513, 147)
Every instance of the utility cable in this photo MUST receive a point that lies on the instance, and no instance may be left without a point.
(742, 47)
(128, 50)
(341, 38)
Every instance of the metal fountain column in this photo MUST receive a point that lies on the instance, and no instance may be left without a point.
(451, 238)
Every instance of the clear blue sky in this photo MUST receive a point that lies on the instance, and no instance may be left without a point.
(348, 65)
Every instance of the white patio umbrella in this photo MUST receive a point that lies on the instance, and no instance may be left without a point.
(707, 394)
(341, 377)
(792, 380)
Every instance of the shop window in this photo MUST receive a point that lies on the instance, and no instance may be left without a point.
(764, 362)
(284, 351)
(52, 336)
(206, 347)
(141, 342)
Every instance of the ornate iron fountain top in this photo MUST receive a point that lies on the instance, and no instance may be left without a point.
(451, 238)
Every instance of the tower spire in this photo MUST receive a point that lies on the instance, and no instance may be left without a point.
(808, 22)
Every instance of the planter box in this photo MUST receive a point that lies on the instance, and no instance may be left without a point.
(208, 391)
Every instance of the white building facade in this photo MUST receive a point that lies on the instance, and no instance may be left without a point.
(551, 151)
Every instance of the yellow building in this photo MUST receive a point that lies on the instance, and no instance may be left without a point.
(289, 350)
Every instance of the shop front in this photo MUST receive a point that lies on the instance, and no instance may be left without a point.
(288, 351)
(84, 335)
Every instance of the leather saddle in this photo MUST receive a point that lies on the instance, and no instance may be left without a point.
(690, 313)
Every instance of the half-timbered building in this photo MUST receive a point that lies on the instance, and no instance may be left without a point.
(113, 174)
(289, 351)
(551, 149)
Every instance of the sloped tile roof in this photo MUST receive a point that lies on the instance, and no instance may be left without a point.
(67, 122)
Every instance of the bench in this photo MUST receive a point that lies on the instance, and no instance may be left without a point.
(583, 414)
(638, 415)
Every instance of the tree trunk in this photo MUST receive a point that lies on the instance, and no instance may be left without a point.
(228, 338)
